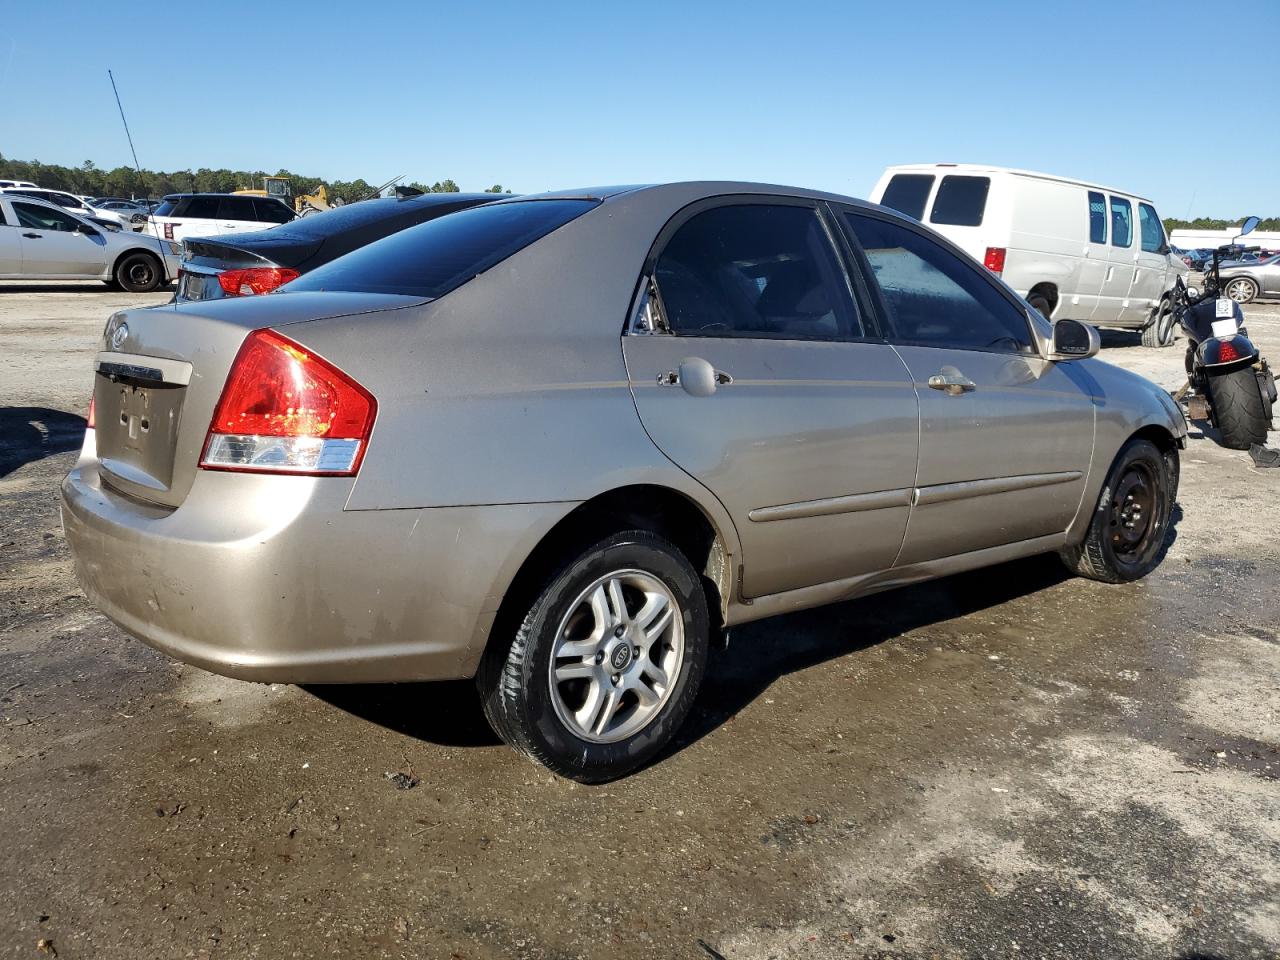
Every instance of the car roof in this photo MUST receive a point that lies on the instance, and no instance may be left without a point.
(660, 192)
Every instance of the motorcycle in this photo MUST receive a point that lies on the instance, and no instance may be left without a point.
(1228, 382)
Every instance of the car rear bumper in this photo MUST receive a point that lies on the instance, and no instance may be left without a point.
(269, 579)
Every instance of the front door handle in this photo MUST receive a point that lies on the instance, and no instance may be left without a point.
(33, 236)
(952, 381)
(696, 376)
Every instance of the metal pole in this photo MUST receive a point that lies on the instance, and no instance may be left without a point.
(126, 127)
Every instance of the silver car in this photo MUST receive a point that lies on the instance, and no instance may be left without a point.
(561, 443)
(42, 241)
(1244, 282)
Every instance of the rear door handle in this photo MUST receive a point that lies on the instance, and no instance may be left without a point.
(953, 383)
(696, 376)
(33, 236)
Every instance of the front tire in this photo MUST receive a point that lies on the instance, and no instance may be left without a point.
(1126, 536)
(1241, 290)
(606, 662)
(1161, 331)
(139, 273)
(1239, 411)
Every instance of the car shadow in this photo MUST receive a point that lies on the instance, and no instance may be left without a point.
(32, 433)
(449, 713)
(66, 286)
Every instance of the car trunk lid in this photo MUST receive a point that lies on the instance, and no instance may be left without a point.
(161, 370)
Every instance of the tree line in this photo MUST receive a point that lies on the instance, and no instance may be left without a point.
(90, 180)
(1209, 223)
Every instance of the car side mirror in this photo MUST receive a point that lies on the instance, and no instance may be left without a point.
(1073, 340)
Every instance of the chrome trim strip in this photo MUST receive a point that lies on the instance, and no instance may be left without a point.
(138, 367)
(945, 492)
(853, 503)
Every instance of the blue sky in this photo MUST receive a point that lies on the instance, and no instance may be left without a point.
(544, 96)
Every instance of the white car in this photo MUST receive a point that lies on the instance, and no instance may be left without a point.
(1074, 250)
(43, 241)
(214, 214)
(17, 183)
(120, 212)
(68, 201)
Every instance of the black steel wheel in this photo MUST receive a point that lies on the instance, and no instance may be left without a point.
(1127, 533)
(139, 273)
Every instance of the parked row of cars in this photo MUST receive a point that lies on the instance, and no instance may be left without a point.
(560, 444)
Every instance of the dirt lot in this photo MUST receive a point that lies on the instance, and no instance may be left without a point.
(1010, 763)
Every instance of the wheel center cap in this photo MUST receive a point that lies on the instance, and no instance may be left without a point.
(620, 657)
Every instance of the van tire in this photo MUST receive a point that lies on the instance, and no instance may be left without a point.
(1162, 330)
(1041, 303)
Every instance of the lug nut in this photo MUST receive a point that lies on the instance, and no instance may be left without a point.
(635, 652)
(615, 678)
(599, 658)
(620, 631)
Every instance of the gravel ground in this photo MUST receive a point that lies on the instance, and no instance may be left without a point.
(1008, 763)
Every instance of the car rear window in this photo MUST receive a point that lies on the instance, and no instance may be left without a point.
(166, 207)
(907, 193)
(440, 255)
(199, 208)
(961, 201)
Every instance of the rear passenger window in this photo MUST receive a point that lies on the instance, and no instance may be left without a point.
(271, 211)
(204, 208)
(961, 201)
(236, 208)
(1097, 218)
(907, 193)
(1121, 222)
(757, 271)
(1151, 231)
(936, 299)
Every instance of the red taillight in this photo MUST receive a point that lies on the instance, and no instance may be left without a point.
(1227, 352)
(285, 410)
(90, 425)
(994, 260)
(168, 231)
(246, 283)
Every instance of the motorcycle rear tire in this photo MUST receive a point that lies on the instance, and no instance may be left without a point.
(1239, 410)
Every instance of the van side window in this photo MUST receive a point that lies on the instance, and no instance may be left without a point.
(961, 201)
(935, 298)
(907, 193)
(1121, 222)
(1151, 230)
(1097, 218)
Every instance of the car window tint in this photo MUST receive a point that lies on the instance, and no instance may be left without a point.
(5, 219)
(165, 208)
(38, 217)
(236, 208)
(757, 271)
(433, 258)
(1097, 218)
(934, 297)
(961, 201)
(271, 211)
(907, 193)
(203, 208)
(1121, 222)
(65, 200)
(1151, 231)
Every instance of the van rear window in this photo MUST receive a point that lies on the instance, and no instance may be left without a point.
(961, 201)
(907, 193)
(435, 257)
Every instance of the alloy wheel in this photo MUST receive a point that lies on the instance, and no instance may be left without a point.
(1240, 290)
(617, 655)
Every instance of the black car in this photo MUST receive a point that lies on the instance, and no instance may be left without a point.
(244, 264)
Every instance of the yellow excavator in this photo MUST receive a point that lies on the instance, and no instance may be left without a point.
(282, 189)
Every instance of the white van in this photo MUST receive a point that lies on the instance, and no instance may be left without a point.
(1074, 250)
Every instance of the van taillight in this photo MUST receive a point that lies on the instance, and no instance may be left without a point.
(285, 410)
(254, 280)
(994, 260)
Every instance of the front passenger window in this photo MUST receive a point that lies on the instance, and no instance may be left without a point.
(37, 217)
(936, 299)
(755, 270)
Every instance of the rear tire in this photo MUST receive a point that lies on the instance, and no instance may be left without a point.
(1161, 331)
(1126, 535)
(1041, 303)
(579, 686)
(1241, 290)
(139, 273)
(1239, 411)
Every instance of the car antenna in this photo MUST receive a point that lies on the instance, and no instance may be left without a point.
(126, 129)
